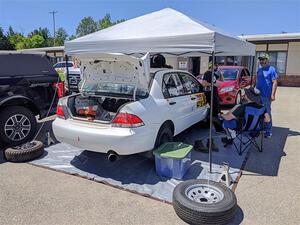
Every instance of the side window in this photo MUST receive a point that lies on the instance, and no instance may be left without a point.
(172, 86)
(190, 85)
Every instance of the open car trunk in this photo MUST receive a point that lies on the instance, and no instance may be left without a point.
(95, 108)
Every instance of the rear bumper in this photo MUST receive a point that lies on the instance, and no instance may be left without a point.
(103, 138)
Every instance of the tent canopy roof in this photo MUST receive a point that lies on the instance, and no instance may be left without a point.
(166, 31)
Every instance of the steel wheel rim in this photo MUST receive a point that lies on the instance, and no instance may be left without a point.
(17, 127)
(25, 146)
(204, 193)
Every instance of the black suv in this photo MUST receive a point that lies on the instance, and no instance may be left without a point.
(27, 89)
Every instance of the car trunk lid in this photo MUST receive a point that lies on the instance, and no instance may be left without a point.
(115, 75)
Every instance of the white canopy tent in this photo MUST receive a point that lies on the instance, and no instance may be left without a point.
(168, 32)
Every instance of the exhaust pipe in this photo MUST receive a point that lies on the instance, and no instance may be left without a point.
(112, 156)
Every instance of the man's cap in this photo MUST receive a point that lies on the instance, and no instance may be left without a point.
(264, 56)
(253, 94)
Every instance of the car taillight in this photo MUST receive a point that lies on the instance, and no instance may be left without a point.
(127, 120)
(60, 111)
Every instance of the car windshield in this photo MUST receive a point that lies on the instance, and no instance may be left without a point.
(229, 74)
(113, 89)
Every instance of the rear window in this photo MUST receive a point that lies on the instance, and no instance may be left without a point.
(113, 88)
(230, 74)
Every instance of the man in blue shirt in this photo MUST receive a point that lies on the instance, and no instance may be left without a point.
(266, 82)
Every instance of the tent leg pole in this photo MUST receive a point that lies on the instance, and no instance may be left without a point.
(252, 70)
(67, 72)
(211, 111)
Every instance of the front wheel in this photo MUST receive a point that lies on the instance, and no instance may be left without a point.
(17, 125)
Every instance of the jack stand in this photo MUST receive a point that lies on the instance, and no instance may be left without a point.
(225, 176)
(49, 140)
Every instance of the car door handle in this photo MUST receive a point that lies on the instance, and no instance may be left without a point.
(172, 103)
(193, 98)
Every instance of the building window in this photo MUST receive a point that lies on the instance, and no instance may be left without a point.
(277, 59)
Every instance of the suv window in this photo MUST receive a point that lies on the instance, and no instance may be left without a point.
(58, 65)
(172, 86)
(190, 85)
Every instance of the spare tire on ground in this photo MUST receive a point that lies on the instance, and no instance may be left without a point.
(25, 152)
(204, 202)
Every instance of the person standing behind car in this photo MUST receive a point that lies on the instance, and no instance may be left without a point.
(266, 83)
(206, 82)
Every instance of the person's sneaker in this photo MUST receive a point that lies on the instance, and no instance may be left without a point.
(268, 135)
(227, 141)
(199, 146)
(213, 146)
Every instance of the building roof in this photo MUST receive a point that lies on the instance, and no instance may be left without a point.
(45, 49)
(271, 37)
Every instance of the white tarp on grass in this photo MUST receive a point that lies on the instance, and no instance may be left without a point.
(164, 31)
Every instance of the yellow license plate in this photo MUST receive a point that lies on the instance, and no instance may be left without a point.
(201, 100)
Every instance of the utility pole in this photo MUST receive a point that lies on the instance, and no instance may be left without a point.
(53, 16)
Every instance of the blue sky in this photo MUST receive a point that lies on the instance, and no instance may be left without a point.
(234, 16)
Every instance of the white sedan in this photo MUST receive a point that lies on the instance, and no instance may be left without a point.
(124, 108)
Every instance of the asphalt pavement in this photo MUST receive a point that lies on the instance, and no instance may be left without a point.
(267, 193)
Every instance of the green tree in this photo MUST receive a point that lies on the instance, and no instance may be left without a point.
(10, 32)
(72, 37)
(60, 36)
(45, 33)
(15, 39)
(86, 26)
(34, 41)
(119, 21)
(105, 22)
(4, 42)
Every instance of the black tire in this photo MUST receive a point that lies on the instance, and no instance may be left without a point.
(164, 135)
(193, 212)
(25, 152)
(21, 112)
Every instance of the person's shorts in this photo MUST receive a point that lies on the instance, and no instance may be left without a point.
(230, 124)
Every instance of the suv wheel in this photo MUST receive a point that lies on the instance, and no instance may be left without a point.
(17, 125)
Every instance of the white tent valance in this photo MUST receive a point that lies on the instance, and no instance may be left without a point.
(166, 31)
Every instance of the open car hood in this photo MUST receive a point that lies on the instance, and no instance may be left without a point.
(115, 70)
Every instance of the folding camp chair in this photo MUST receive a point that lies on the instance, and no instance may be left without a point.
(252, 128)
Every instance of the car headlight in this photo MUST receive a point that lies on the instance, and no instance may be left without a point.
(227, 89)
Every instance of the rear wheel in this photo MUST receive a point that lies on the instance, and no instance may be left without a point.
(17, 125)
(164, 135)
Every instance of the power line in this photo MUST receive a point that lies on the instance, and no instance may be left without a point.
(53, 16)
